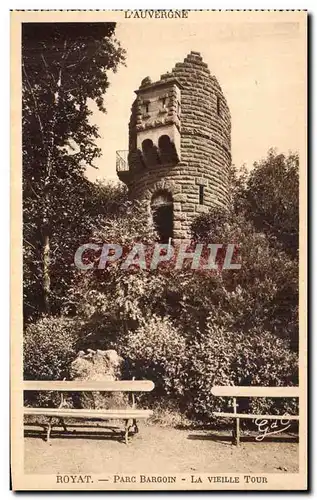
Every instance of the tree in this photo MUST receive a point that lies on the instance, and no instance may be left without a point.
(64, 69)
(263, 293)
(263, 222)
(112, 300)
(272, 200)
(82, 208)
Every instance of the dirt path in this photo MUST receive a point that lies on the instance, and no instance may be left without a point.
(155, 450)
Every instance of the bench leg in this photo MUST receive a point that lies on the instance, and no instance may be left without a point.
(48, 432)
(130, 425)
(62, 423)
(236, 425)
(126, 430)
(236, 431)
(135, 426)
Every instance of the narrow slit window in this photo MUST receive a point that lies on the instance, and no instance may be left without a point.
(218, 106)
(201, 195)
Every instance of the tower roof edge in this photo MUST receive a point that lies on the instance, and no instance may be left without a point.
(168, 80)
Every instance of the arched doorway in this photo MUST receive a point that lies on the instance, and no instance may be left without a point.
(162, 213)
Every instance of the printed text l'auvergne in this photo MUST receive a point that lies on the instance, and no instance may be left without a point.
(156, 14)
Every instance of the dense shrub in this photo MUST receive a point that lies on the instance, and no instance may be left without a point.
(185, 368)
(222, 357)
(48, 349)
(155, 351)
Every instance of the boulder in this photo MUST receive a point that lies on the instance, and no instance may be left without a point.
(100, 366)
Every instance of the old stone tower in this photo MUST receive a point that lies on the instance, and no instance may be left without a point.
(179, 147)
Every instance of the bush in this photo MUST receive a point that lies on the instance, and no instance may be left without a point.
(48, 349)
(185, 368)
(155, 351)
(222, 357)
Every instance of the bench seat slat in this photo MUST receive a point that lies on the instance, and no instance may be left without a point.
(89, 385)
(253, 391)
(253, 416)
(84, 413)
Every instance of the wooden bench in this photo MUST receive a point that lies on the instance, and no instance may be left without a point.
(235, 392)
(129, 415)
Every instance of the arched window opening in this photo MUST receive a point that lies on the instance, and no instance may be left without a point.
(162, 213)
(164, 142)
(167, 150)
(150, 153)
(147, 145)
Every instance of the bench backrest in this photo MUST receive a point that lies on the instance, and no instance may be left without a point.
(89, 385)
(255, 391)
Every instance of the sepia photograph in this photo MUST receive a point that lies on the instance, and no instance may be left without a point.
(158, 250)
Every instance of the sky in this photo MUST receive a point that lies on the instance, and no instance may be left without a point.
(260, 65)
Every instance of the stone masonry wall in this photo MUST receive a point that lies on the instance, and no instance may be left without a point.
(205, 148)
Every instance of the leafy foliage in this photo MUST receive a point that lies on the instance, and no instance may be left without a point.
(49, 346)
(64, 69)
(264, 292)
(219, 356)
(185, 368)
(272, 200)
(156, 351)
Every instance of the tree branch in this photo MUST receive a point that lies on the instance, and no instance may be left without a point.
(28, 243)
(37, 113)
(32, 189)
(46, 67)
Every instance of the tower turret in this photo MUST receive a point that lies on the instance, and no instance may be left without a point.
(179, 147)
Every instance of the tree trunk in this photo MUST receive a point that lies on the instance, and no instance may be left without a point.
(46, 273)
(46, 190)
